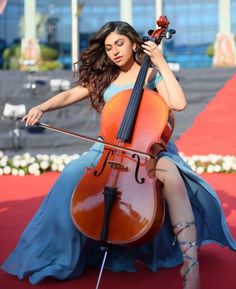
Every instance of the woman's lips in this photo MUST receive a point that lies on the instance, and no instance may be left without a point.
(117, 59)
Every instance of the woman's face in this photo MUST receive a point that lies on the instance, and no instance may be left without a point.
(119, 48)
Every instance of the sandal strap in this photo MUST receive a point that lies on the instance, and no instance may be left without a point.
(182, 227)
(189, 244)
(185, 247)
(194, 263)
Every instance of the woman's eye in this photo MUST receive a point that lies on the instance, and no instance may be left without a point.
(120, 43)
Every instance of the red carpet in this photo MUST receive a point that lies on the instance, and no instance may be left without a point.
(22, 196)
(213, 130)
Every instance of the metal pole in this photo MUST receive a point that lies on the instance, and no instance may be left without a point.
(126, 11)
(29, 19)
(74, 32)
(30, 51)
(159, 12)
(225, 16)
(159, 8)
(224, 46)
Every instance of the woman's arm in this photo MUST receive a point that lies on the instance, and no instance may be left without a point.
(169, 87)
(60, 100)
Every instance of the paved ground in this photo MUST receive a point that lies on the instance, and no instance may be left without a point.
(199, 85)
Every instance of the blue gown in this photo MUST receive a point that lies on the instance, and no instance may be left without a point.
(52, 246)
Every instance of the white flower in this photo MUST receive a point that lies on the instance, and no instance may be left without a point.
(191, 162)
(33, 168)
(52, 157)
(200, 170)
(1, 154)
(217, 168)
(7, 170)
(210, 169)
(14, 172)
(60, 167)
(45, 157)
(21, 172)
(38, 156)
(58, 160)
(1, 172)
(193, 167)
(234, 167)
(23, 163)
(64, 156)
(54, 167)
(26, 156)
(36, 173)
(226, 166)
(203, 159)
(213, 158)
(3, 161)
(32, 160)
(67, 160)
(17, 157)
(16, 163)
(195, 158)
(44, 165)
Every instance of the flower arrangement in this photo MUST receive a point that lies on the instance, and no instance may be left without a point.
(21, 165)
(211, 163)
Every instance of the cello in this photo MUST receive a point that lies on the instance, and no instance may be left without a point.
(120, 201)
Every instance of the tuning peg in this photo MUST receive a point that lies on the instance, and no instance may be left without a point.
(169, 33)
(150, 32)
(172, 31)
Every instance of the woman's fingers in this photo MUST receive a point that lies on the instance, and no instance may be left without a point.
(150, 48)
(32, 117)
(153, 51)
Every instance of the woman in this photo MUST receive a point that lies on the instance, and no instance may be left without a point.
(52, 246)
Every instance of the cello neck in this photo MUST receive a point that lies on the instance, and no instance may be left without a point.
(127, 125)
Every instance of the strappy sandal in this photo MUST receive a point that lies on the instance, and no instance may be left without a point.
(194, 262)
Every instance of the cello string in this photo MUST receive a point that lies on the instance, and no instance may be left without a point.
(138, 90)
(135, 99)
(124, 127)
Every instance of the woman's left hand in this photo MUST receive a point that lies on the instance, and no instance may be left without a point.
(153, 51)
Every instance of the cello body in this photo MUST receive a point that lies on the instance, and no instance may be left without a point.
(138, 206)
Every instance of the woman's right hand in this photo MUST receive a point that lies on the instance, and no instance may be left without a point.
(33, 116)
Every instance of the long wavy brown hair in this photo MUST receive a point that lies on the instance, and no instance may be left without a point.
(96, 71)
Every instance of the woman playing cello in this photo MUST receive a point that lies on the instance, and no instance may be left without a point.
(52, 246)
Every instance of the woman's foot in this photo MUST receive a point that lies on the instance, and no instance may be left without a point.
(190, 274)
(186, 236)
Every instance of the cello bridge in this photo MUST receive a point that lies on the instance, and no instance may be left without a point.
(117, 166)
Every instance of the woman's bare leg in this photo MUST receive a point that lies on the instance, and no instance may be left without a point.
(180, 212)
